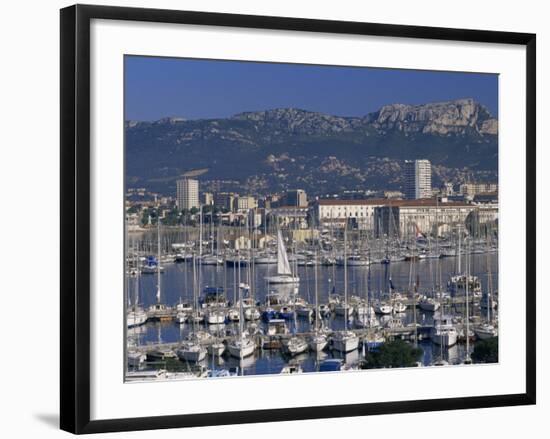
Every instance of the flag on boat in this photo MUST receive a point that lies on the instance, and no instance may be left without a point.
(391, 284)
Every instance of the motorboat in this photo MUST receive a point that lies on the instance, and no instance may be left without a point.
(136, 316)
(443, 332)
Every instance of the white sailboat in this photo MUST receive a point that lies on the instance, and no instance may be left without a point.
(284, 273)
(136, 315)
(192, 350)
(318, 340)
(487, 329)
(241, 346)
(346, 340)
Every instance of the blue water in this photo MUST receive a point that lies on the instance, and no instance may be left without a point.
(176, 284)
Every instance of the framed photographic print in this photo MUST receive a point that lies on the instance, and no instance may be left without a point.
(268, 218)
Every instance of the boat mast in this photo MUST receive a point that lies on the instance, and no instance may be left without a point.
(467, 360)
(317, 315)
(345, 278)
(158, 254)
(489, 283)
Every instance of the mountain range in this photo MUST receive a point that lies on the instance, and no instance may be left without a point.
(277, 149)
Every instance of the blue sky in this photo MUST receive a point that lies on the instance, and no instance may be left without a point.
(197, 89)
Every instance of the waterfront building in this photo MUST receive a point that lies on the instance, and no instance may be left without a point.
(418, 179)
(187, 193)
(292, 217)
(295, 197)
(334, 212)
(404, 217)
(472, 189)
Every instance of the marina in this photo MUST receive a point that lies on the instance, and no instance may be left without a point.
(207, 310)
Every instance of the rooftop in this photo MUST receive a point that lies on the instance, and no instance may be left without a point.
(426, 202)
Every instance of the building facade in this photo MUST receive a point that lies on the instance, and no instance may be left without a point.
(246, 203)
(187, 193)
(207, 198)
(339, 213)
(471, 189)
(418, 179)
(225, 200)
(295, 198)
(405, 218)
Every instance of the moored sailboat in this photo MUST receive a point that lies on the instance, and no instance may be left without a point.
(284, 273)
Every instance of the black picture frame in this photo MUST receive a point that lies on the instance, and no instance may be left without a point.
(75, 217)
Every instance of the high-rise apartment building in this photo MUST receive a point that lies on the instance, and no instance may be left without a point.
(187, 195)
(418, 179)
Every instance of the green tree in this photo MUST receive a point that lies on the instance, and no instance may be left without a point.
(486, 351)
(396, 353)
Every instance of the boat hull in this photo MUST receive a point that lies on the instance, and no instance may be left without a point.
(192, 355)
(282, 279)
(345, 344)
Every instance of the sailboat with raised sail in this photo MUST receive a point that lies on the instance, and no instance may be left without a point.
(284, 273)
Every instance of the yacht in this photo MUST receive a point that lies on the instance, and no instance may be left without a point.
(136, 316)
(457, 285)
(318, 341)
(354, 261)
(284, 273)
(345, 341)
(251, 313)
(241, 347)
(191, 351)
(399, 307)
(216, 349)
(342, 309)
(429, 304)
(277, 327)
(214, 316)
(444, 332)
(383, 308)
(295, 345)
(136, 358)
(485, 331)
